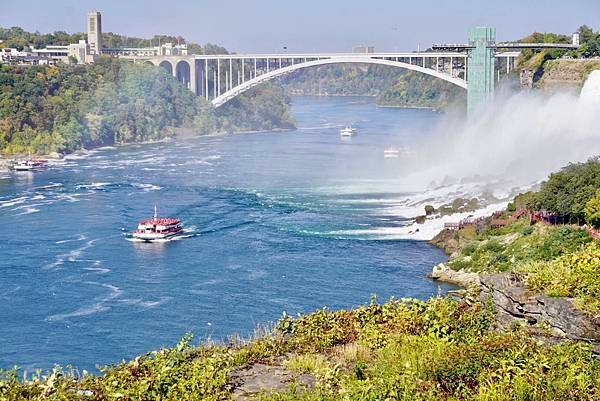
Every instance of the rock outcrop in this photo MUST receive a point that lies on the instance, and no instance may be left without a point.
(555, 318)
(253, 380)
(447, 240)
(563, 74)
(462, 278)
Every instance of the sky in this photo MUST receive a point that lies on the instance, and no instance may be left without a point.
(253, 26)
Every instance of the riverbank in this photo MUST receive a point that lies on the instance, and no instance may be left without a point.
(6, 161)
(391, 106)
(436, 349)
(537, 272)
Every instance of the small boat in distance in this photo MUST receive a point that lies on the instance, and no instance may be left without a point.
(157, 228)
(391, 152)
(30, 164)
(347, 131)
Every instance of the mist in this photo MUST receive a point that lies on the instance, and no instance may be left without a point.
(518, 140)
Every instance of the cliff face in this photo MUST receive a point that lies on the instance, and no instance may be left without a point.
(562, 74)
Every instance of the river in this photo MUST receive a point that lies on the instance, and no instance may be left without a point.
(275, 222)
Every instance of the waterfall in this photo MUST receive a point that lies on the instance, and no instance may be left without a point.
(591, 89)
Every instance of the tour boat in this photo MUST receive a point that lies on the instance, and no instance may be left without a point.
(157, 228)
(391, 152)
(30, 165)
(347, 131)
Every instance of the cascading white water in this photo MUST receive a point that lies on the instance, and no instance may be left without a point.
(591, 89)
(519, 141)
(521, 137)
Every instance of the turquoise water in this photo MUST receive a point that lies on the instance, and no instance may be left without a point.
(274, 223)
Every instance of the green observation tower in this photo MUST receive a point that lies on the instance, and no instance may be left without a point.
(481, 66)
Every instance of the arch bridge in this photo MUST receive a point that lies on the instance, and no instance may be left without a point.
(475, 67)
(220, 78)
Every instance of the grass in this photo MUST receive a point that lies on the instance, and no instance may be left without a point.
(504, 249)
(575, 275)
(307, 363)
(561, 261)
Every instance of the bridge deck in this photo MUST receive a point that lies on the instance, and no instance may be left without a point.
(330, 55)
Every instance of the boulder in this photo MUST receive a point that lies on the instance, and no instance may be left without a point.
(462, 278)
(250, 381)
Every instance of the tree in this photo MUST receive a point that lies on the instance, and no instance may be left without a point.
(587, 34)
(567, 192)
(592, 210)
(592, 48)
(71, 133)
(527, 200)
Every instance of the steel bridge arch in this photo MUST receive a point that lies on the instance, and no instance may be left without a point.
(238, 90)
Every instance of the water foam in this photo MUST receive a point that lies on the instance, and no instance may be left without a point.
(513, 146)
(97, 307)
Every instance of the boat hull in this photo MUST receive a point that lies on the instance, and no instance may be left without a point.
(153, 236)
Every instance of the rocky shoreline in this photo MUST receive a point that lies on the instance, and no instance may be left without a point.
(549, 319)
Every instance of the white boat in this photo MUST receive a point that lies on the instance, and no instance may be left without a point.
(157, 228)
(347, 131)
(391, 152)
(30, 165)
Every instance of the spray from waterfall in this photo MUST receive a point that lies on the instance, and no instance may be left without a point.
(521, 138)
(515, 144)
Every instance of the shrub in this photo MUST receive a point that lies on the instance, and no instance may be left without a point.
(527, 200)
(568, 191)
(469, 249)
(575, 275)
(592, 210)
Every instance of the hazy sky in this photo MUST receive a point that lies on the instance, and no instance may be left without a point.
(307, 25)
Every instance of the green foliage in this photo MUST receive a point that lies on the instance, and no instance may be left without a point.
(567, 192)
(18, 38)
(590, 42)
(264, 108)
(413, 89)
(574, 275)
(64, 108)
(429, 210)
(441, 349)
(528, 200)
(592, 210)
(393, 87)
(469, 249)
(506, 248)
(307, 363)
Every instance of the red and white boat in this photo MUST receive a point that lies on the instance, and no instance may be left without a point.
(157, 228)
(30, 165)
